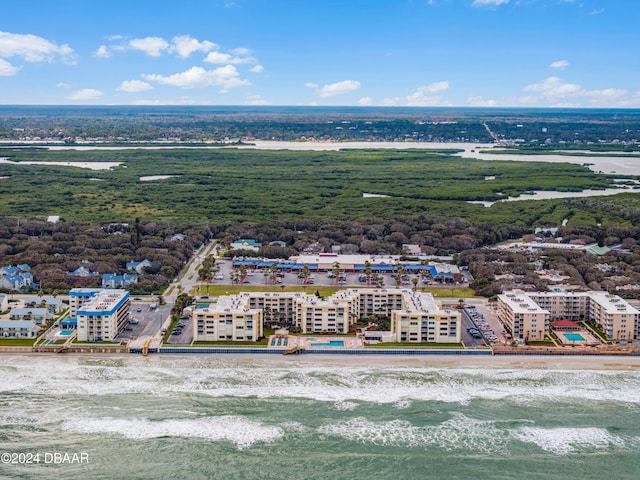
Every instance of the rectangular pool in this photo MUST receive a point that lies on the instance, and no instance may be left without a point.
(332, 343)
(65, 333)
(574, 337)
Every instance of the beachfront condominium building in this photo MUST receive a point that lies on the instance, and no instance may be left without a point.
(231, 318)
(79, 296)
(101, 318)
(614, 316)
(422, 319)
(523, 317)
(241, 317)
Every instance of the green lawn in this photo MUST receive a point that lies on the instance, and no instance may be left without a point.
(259, 344)
(218, 290)
(325, 291)
(416, 345)
(17, 342)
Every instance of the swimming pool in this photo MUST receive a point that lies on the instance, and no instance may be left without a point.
(574, 337)
(65, 333)
(332, 343)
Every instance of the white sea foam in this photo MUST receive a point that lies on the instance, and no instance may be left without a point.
(458, 432)
(345, 406)
(401, 404)
(562, 441)
(338, 385)
(238, 430)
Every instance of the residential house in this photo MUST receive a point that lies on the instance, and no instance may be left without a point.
(245, 244)
(111, 280)
(139, 267)
(18, 329)
(83, 272)
(15, 278)
(38, 315)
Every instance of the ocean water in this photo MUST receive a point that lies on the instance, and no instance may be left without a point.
(206, 417)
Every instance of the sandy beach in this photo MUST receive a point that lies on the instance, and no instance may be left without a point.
(475, 362)
(545, 362)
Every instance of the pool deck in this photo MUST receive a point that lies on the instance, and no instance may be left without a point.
(283, 342)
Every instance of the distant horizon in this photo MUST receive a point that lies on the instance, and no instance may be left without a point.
(325, 107)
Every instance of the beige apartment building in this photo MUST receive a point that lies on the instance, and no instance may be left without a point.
(523, 317)
(520, 312)
(415, 317)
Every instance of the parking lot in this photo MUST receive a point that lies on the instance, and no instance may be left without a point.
(186, 332)
(143, 320)
(223, 277)
(484, 323)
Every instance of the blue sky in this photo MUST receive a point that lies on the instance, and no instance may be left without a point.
(517, 53)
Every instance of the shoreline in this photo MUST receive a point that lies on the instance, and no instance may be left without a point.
(518, 362)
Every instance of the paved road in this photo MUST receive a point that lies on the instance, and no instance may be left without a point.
(186, 282)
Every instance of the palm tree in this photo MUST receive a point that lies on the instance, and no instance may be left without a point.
(367, 272)
(414, 280)
(337, 271)
(273, 270)
(305, 274)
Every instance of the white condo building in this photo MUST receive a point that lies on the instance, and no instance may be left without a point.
(415, 317)
(521, 312)
(102, 316)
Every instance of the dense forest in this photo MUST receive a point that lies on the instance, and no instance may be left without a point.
(254, 185)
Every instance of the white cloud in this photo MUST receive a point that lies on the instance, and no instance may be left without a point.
(554, 91)
(485, 3)
(252, 99)
(560, 64)
(113, 38)
(134, 86)
(63, 85)
(256, 69)
(333, 89)
(554, 87)
(184, 46)
(225, 58)
(596, 11)
(85, 94)
(152, 46)
(436, 87)
(241, 51)
(183, 101)
(478, 101)
(424, 96)
(7, 70)
(102, 52)
(32, 48)
(196, 77)
(364, 101)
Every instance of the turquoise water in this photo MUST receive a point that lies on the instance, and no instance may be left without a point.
(216, 417)
(65, 333)
(573, 337)
(332, 343)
